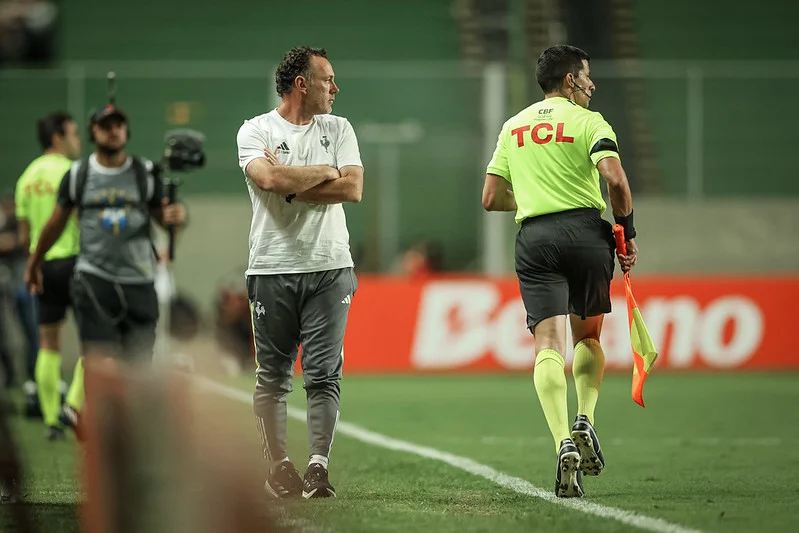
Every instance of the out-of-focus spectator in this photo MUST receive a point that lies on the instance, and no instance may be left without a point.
(421, 260)
(8, 238)
(234, 328)
(27, 31)
(13, 295)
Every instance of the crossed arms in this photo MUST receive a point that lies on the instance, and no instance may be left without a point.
(317, 184)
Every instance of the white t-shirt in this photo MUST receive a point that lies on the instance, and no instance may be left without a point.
(287, 238)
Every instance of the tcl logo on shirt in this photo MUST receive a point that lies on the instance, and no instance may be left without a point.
(40, 188)
(542, 133)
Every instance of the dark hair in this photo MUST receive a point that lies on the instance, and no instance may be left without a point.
(557, 61)
(296, 62)
(54, 123)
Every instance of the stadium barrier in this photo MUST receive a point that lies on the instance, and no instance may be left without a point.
(477, 324)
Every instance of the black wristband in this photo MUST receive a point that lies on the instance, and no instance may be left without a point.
(627, 224)
(290, 197)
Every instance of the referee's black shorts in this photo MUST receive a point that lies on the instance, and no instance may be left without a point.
(564, 262)
(56, 296)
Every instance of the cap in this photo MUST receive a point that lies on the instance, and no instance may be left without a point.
(108, 111)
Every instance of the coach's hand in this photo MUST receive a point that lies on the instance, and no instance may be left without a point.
(627, 262)
(271, 158)
(33, 277)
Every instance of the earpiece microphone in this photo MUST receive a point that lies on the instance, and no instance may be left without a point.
(583, 90)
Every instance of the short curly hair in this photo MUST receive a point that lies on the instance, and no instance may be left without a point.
(557, 61)
(296, 62)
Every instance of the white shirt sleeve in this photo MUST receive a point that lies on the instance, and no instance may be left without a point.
(251, 142)
(347, 151)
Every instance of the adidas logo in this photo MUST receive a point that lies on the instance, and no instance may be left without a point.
(283, 148)
(347, 300)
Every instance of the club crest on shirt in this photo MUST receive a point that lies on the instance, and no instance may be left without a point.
(114, 217)
(325, 142)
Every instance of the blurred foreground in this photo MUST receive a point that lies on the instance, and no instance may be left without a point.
(160, 455)
(711, 452)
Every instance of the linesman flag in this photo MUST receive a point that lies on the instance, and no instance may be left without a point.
(644, 353)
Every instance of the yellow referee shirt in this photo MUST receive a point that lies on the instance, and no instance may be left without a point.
(545, 152)
(35, 199)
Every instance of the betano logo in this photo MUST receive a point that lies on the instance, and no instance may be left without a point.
(461, 322)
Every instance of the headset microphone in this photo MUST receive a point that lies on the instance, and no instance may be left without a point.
(583, 90)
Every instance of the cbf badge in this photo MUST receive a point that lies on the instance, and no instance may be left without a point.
(114, 219)
(325, 142)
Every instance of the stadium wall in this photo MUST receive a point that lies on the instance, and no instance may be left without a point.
(733, 55)
(215, 68)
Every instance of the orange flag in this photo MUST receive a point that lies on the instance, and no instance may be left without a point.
(644, 353)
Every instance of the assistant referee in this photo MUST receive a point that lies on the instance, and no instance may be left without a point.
(552, 154)
(36, 193)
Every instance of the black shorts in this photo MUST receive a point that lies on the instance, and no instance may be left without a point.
(564, 262)
(119, 318)
(56, 296)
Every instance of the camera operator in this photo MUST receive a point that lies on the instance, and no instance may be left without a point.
(115, 195)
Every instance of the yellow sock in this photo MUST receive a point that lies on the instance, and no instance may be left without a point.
(550, 384)
(588, 367)
(48, 381)
(75, 395)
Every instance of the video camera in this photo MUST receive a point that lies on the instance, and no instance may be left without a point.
(184, 150)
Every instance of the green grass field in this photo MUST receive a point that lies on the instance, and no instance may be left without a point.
(709, 453)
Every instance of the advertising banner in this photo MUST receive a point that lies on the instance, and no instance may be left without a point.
(468, 324)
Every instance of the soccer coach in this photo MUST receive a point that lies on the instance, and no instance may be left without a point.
(301, 163)
(552, 153)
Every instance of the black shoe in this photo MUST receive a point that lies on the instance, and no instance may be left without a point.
(568, 480)
(592, 462)
(70, 418)
(284, 481)
(316, 484)
(33, 408)
(55, 433)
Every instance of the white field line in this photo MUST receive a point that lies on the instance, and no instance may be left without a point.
(515, 484)
(670, 441)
